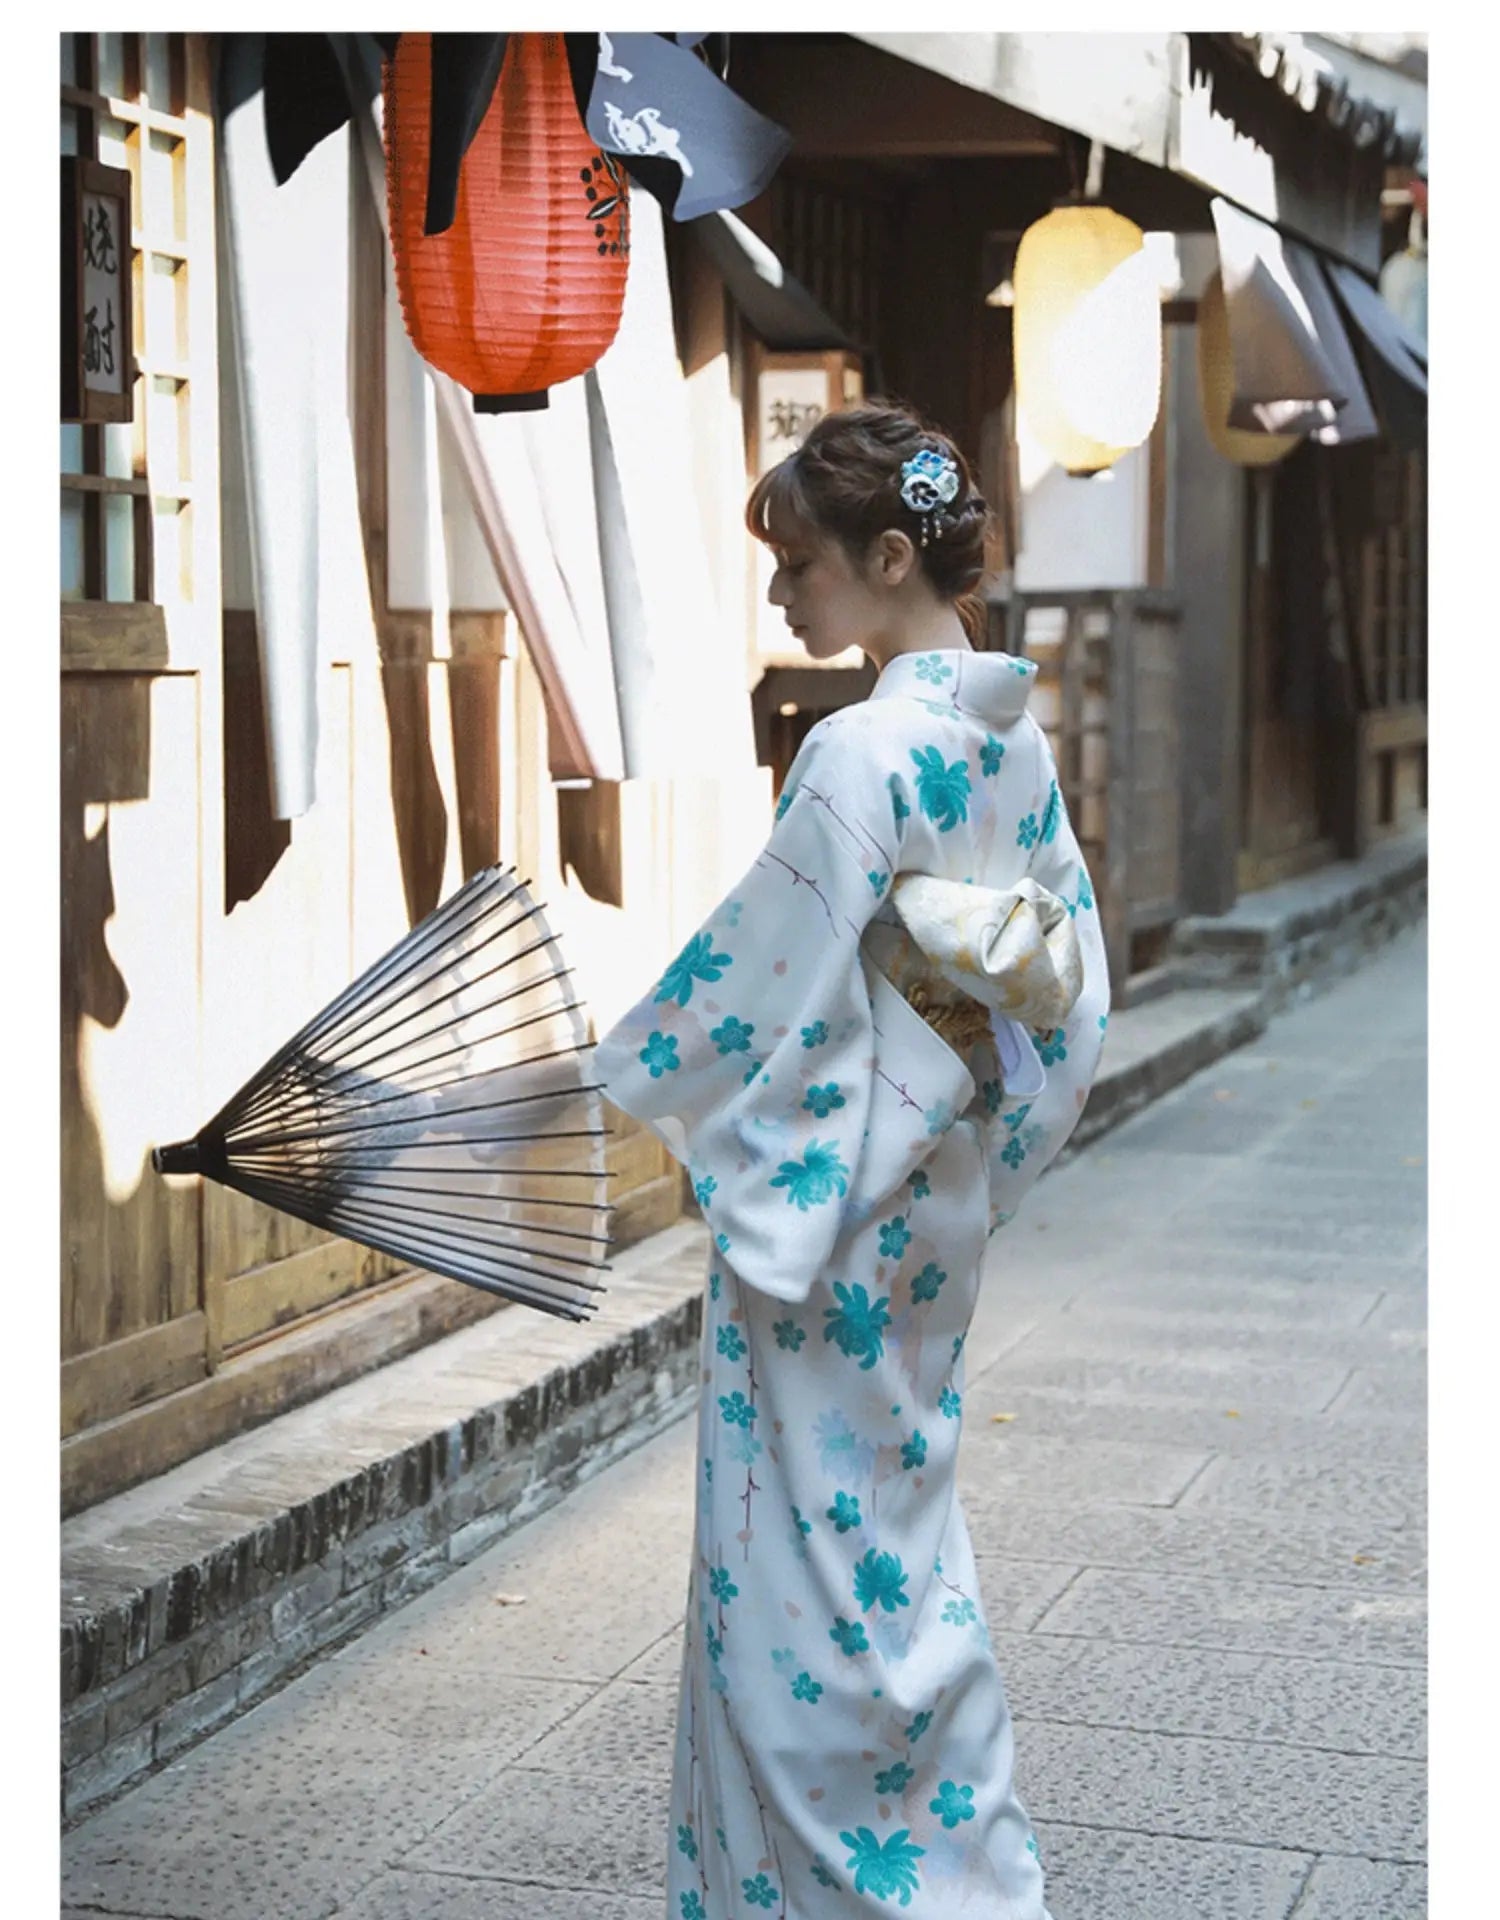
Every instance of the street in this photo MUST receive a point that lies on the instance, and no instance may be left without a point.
(1194, 1470)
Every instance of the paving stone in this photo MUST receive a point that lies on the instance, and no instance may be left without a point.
(1084, 1470)
(1101, 1378)
(1173, 1609)
(1298, 1702)
(1372, 1390)
(625, 1730)
(534, 1828)
(1094, 1873)
(402, 1895)
(1229, 1790)
(1385, 1495)
(1362, 1890)
(661, 1664)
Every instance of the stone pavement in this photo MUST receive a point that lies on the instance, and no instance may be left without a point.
(1200, 1538)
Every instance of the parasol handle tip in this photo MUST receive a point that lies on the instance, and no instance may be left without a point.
(182, 1157)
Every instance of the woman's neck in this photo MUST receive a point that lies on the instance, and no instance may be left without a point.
(937, 631)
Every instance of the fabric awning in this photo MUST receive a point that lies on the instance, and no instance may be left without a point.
(1294, 369)
(774, 302)
(1393, 359)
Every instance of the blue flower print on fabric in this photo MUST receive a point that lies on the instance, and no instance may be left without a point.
(938, 1119)
(949, 1404)
(849, 1636)
(816, 1035)
(784, 802)
(660, 1055)
(686, 1844)
(925, 1285)
(895, 1237)
(1028, 832)
(804, 1527)
(1051, 1046)
(895, 1779)
(990, 756)
(821, 1874)
(760, 1892)
(878, 1581)
(815, 1178)
(1033, 1849)
(1013, 1120)
(933, 669)
(857, 1324)
(917, 1728)
(1085, 891)
(731, 1346)
(1013, 1153)
(692, 1907)
(913, 1452)
(878, 882)
(721, 1241)
(841, 1453)
(721, 1586)
(821, 1101)
(960, 1612)
(789, 1336)
(804, 1687)
(733, 1036)
(1051, 815)
(942, 789)
(1033, 1137)
(715, 1281)
(993, 1093)
(920, 1185)
(751, 1071)
(844, 1513)
(705, 1189)
(888, 1872)
(737, 1410)
(696, 962)
(954, 1803)
(900, 807)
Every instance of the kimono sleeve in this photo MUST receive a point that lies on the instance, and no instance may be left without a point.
(1026, 1135)
(757, 1055)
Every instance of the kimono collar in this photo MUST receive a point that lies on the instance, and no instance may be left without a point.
(993, 687)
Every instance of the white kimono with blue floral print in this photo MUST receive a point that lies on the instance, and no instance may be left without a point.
(844, 1746)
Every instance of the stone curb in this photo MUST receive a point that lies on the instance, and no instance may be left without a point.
(174, 1625)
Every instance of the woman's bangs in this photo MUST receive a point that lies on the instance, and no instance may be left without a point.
(778, 507)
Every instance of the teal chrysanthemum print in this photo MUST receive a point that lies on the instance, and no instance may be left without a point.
(942, 789)
(730, 1343)
(697, 962)
(960, 1612)
(857, 1324)
(895, 1779)
(949, 1404)
(879, 1581)
(760, 1892)
(737, 1410)
(660, 1054)
(733, 1036)
(990, 756)
(1028, 832)
(815, 1178)
(789, 1336)
(692, 1907)
(804, 1687)
(816, 1035)
(888, 1872)
(913, 1452)
(821, 1101)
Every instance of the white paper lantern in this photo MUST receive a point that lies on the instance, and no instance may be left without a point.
(1216, 388)
(1087, 336)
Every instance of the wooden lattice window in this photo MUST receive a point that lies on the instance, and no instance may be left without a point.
(1394, 581)
(127, 490)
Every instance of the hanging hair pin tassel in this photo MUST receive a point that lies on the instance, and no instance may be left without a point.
(929, 480)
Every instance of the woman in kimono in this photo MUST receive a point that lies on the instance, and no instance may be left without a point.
(834, 1056)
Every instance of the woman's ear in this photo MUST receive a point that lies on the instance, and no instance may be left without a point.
(893, 556)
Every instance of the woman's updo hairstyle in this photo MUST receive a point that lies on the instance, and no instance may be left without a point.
(844, 481)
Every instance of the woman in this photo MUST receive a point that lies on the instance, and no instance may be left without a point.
(844, 1745)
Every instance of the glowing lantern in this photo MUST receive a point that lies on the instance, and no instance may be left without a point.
(1087, 336)
(526, 287)
(1216, 388)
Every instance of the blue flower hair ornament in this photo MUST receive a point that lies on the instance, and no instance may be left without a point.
(929, 480)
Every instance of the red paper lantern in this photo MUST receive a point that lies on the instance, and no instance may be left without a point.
(526, 287)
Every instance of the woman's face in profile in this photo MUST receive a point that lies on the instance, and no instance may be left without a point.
(827, 602)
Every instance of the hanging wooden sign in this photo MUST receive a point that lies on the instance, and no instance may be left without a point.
(98, 366)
